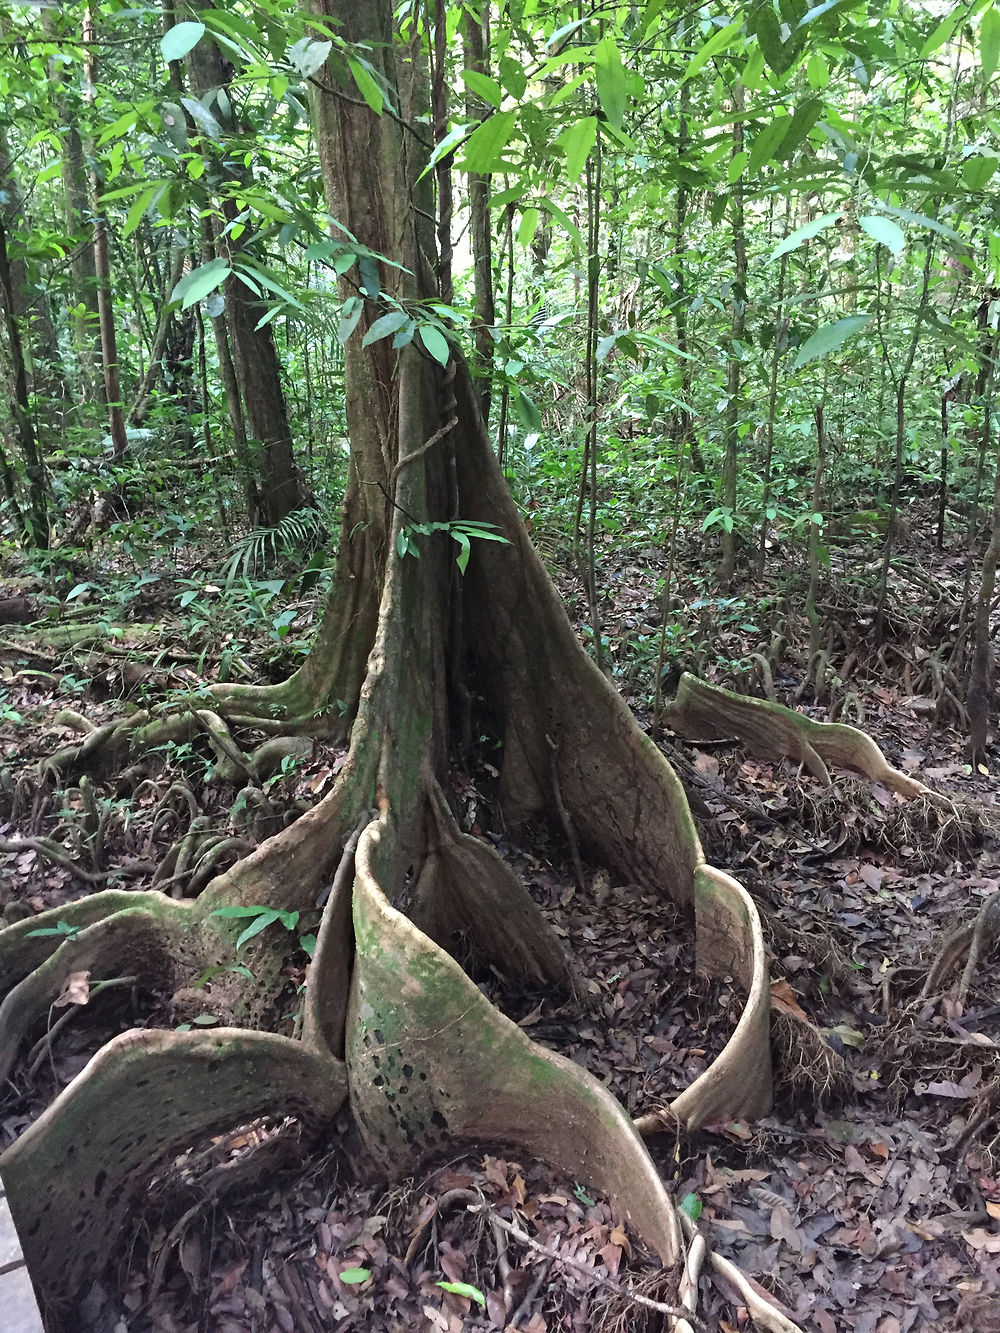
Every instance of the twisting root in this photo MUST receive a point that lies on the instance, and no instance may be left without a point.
(974, 939)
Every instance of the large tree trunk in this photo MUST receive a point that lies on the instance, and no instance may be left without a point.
(406, 645)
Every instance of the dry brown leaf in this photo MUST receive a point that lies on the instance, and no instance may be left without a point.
(783, 999)
(76, 990)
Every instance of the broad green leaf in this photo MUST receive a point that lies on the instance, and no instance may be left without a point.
(690, 1206)
(605, 345)
(202, 117)
(817, 72)
(976, 171)
(778, 53)
(942, 32)
(528, 414)
(806, 115)
(989, 41)
(737, 166)
(563, 217)
(567, 90)
(366, 85)
(385, 325)
(483, 86)
(513, 76)
(257, 927)
(354, 1275)
(180, 39)
(884, 231)
(461, 1289)
(447, 145)
(199, 282)
(920, 220)
(611, 84)
(719, 41)
(529, 223)
(350, 314)
(795, 238)
(435, 342)
(767, 142)
(307, 56)
(487, 142)
(828, 338)
(245, 269)
(464, 549)
(577, 142)
(139, 206)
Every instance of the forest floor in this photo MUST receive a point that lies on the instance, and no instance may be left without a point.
(867, 1202)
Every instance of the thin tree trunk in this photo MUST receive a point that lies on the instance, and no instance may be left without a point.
(254, 354)
(476, 35)
(37, 527)
(730, 465)
(102, 269)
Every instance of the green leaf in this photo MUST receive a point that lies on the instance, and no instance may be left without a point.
(238, 912)
(942, 32)
(806, 115)
(884, 231)
(180, 39)
(690, 1206)
(487, 142)
(366, 85)
(200, 281)
(817, 72)
(528, 413)
(568, 224)
(483, 86)
(977, 171)
(605, 345)
(737, 166)
(828, 338)
(139, 206)
(514, 78)
(354, 1275)
(464, 549)
(460, 1289)
(795, 238)
(529, 224)
(920, 220)
(205, 1020)
(435, 342)
(256, 927)
(350, 314)
(382, 327)
(779, 54)
(719, 41)
(611, 85)
(307, 56)
(577, 142)
(766, 144)
(989, 41)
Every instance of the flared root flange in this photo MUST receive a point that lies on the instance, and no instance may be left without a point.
(77, 1176)
(431, 1062)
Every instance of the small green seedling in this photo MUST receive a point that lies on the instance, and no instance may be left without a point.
(63, 928)
(260, 919)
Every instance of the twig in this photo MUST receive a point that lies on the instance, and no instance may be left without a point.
(660, 1307)
(43, 1046)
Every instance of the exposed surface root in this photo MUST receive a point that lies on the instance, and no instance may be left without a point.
(707, 712)
(971, 941)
